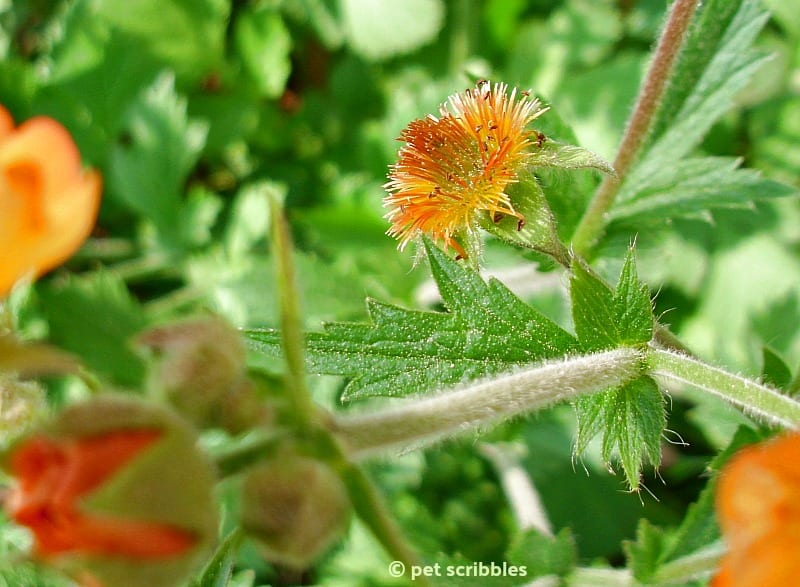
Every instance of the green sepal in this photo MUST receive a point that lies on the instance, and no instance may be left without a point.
(555, 154)
(538, 230)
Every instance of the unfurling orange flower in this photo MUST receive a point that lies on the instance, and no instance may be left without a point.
(56, 476)
(48, 203)
(460, 164)
(758, 506)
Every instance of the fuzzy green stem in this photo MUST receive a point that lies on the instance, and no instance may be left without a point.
(692, 567)
(370, 507)
(422, 421)
(752, 397)
(461, 35)
(303, 409)
(594, 219)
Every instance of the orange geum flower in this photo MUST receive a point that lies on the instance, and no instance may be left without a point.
(48, 203)
(460, 164)
(758, 506)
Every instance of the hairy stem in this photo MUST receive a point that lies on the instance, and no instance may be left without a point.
(293, 347)
(692, 567)
(594, 219)
(369, 506)
(752, 397)
(423, 421)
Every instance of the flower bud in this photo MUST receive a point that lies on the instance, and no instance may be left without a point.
(296, 507)
(200, 369)
(115, 493)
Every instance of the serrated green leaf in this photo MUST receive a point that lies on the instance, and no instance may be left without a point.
(487, 330)
(632, 417)
(717, 45)
(690, 187)
(632, 420)
(264, 43)
(376, 29)
(604, 318)
(593, 309)
(716, 63)
(544, 555)
(148, 169)
(632, 306)
(95, 318)
(644, 553)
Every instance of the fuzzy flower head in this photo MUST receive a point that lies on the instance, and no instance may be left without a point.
(461, 163)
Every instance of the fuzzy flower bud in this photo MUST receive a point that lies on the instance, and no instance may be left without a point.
(115, 494)
(296, 507)
(199, 367)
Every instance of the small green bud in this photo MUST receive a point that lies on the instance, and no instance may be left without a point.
(296, 507)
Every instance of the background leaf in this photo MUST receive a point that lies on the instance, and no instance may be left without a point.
(377, 30)
(264, 44)
(715, 64)
(149, 166)
(95, 317)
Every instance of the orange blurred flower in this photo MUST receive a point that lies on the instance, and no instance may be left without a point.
(55, 476)
(758, 505)
(48, 203)
(460, 164)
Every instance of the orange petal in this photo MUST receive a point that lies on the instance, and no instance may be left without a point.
(6, 123)
(758, 506)
(53, 476)
(46, 146)
(98, 535)
(48, 204)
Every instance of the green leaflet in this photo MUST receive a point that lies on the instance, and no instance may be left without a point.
(401, 352)
(631, 417)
